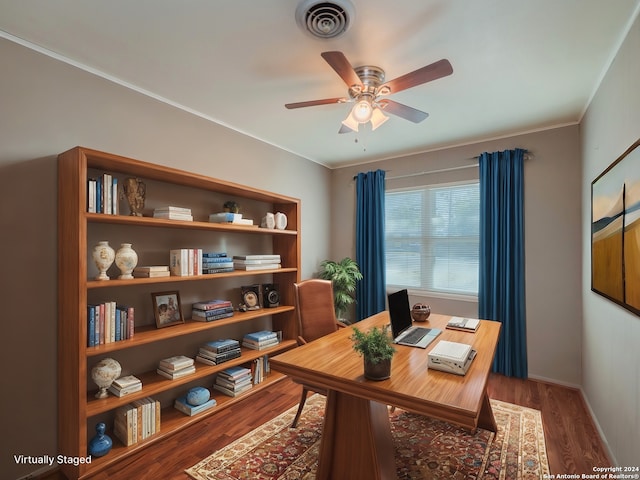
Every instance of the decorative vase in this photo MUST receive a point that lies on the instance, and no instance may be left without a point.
(280, 220)
(420, 312)
(126, 260)
(103, 256)
(377, 371)
(101, 444)
(198, 395)
(104, 373)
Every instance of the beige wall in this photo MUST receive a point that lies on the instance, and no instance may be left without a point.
(47, 107)
(611, 338)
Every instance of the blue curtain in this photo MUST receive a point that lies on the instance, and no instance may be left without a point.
(370, 292)
(501, 289)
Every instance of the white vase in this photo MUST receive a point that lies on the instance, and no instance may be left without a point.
(104, 373)
(103, 256)
(126, 260)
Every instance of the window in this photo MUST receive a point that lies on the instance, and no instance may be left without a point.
(432, 238)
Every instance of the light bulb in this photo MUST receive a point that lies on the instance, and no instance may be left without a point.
(362, 111)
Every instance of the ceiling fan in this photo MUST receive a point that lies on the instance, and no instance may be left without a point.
(367, 86)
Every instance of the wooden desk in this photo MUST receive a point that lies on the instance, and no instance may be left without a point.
(356, 438)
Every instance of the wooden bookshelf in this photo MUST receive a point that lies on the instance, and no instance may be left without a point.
(78, 409)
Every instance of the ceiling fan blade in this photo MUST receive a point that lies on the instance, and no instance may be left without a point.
(341, 65)
(408, 113)
(326, 101)
(345, 129)
(436, 70)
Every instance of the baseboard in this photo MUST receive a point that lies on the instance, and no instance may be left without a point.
(594, 419)
(603, 438)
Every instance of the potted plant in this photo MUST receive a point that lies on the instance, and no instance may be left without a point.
(376, 347)
(344, 275)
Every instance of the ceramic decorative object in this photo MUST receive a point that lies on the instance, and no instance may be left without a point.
(420, 312)
(134, 191)
(101, 444)
(281, 221)
(198, 395)
(126, 260)
(103, 256)
(104, 373)
(268, 221)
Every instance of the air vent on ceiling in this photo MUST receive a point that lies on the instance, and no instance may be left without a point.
(325, 19)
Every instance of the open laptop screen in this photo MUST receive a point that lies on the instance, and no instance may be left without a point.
(399, 312)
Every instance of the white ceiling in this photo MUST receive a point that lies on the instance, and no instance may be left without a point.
(518, 65)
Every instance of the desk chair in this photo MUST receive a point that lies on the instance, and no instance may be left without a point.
(316, 318)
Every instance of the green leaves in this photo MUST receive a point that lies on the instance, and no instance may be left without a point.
(344, 275)
(375, 345)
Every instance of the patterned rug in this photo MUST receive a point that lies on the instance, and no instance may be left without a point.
(425, 448)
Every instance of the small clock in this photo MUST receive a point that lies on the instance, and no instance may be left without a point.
(251, 296)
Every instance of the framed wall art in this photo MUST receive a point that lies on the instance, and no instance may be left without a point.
(167, 309)
(615, 231)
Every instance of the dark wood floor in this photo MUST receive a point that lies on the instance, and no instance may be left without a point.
(573, 445)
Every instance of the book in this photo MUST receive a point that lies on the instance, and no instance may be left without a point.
(151, 274)
(210, 271)
(235, 372)
(179, 262)
(257, 257)
(209, 358)
(151, 268)
(177, 373)
(211, 317)
(232, 393)
(185, 407)
(261, 335)
(211, 304)
(257, 261)
(224, 217)
(213, 311)
(463, 324)
(221, 345)
(260, 345)
(126, 381)
(211, 255)
(121, 392)
(264, 266)
(173, 209)
(176, 363)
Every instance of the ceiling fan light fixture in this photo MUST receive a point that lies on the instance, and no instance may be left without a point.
(362, 111)
(350, 122)
(377, 118)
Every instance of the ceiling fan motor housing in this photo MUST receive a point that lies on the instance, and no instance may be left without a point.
(325, 19)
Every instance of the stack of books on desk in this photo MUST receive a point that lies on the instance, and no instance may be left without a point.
(233, 381)
(218, 351)
(176, 367)
(173, 213)
(125, 385)
(256, 262)
(260, 340)
(211, 310)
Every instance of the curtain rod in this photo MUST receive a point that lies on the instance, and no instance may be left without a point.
(527, 156)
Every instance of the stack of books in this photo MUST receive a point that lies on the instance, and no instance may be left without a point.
(211, 310)
(228, 217)
(216, 262)
(233, 381)
(102, 194)
(256, 262)
(176, 367)
(137, 421)
(185, 262)
(260, 369)
(463, 324)
(219, 351)
(260, 340)
(185, 407)
(125, 385)
(151, 271)
(173, 213)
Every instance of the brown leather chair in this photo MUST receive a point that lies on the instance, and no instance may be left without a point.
(316, 318)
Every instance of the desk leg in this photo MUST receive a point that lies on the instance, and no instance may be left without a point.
(356, 440)
(486, 419)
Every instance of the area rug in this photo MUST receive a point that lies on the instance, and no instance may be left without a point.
(425, 448)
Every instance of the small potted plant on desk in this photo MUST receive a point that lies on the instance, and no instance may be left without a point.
(376, 347)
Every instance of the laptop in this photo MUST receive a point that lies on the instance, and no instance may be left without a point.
(402, 328)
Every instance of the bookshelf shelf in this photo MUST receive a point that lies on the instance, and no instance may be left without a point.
(78, 409)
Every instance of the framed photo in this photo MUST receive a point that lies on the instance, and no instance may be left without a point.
(167, 309)
(615, 231)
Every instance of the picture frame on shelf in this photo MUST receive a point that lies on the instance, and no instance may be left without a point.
(167, 309)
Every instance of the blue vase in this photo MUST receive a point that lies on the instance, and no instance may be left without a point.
(101, 444)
